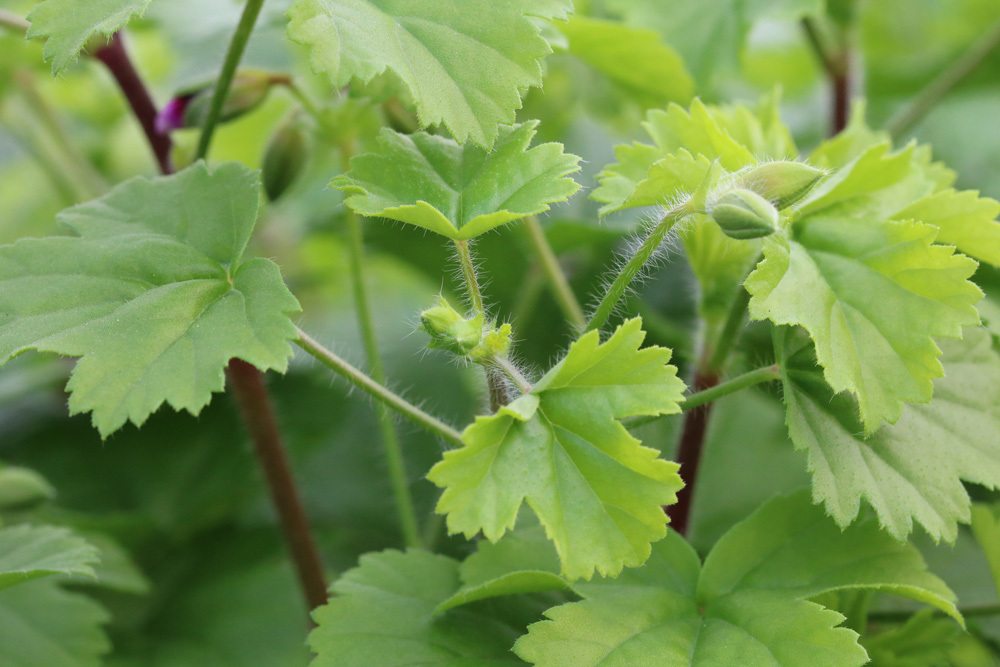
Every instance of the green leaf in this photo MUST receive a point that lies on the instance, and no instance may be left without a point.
(873, 295)
(459, 191)
(383, 613)
(465, 65)
(41, 624)
(986, 528)
(67, 25)
(636, 59)
(153, 293)
(923, 641)
(21, 487)
(964, 220)
(912, 470)
(746, 606)
(30, 552)
(597, 491)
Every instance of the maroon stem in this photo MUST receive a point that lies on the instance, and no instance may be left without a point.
(840, 81)
(246, 382)
(689, 453)
(116, 58)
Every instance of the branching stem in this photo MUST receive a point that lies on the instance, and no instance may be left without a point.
(376, 390)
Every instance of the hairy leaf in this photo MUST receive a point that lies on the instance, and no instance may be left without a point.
(912, 470)
(746, 606)
(459, 191)
(597, 491)
(41, 624)
(383, 613)
(67, 25)
(465, 63)
(153, 293)
(30, 552)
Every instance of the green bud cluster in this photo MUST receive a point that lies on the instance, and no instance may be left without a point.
(467, 337)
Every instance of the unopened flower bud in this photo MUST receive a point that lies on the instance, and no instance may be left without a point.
(449, 330)
(284, 159)
(495, 344)
(782, 182)
(21, 488)
(189, 107)
(743, 214)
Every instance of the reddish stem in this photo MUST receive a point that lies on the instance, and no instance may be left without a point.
(840, 81)
(116, 58)
(246, 382)
(689, 453)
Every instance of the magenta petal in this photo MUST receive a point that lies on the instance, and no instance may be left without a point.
(171, 117)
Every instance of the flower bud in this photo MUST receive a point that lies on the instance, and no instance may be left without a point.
(189, 107)
(21, 488)
(495, 344)
(782, 182)
(284, 159)
(743, 214)
(449, 330)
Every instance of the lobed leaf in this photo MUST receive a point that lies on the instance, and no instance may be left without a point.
(153, 294)
(562, 449)
(67, 25)
(459, 192)
(464, 63)
(31, 552)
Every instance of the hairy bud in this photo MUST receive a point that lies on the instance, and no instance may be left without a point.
(743, 214)
(449, 330)
(782, 182)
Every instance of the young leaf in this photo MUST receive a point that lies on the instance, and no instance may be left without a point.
(964, 220)
(383, 613)
(31, 552)
(562, 448)
(67, 25)
(745, 606)
(636, 59)
(465, 65)
(153, 293)
(910, 471)
(459, 191)
(872, 295)
(41, 624)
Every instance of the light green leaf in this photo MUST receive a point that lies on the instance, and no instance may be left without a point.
(41, 624)
(383, 613)
(459, 191)
(21, 487)
(636, 59)
(153, 293)
(912, 470)
(986, 528)
(597, 491)
(465, 64)
(67, 25)
(746, 606)
(30, 552)
(964, 220)
(873, 295)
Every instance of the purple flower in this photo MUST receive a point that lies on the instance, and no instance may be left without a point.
(171, 117)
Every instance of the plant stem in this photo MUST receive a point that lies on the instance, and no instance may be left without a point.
(689, 452)
(390, 438)
(514, 375)
(469, 274)
(246, 381)
(13, 22)
(966, 64)
(234, 55)
(632, 268)
(258, 415)
(837, 66)
(900, 616)
(116, 59)
(26, 139)
(561, 289)
(731, 329)
(377, 391)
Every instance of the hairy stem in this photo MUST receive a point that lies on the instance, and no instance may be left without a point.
(619, 287)
(13, 22)
(246, 381)
(966, 64)
(237, 45)
(376, 390)
(116, 59)
(390, 438)
(558, 283)
(511, 372)
(258, 415)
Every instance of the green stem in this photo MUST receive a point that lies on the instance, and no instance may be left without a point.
(561, 289)
(738, 383)
(390, 438)
(237, 46)
(66, 189)
(513, 374)
(469, 274)
(901, 616)
(730, 330)
(377, 391)
(632, 268)
(13, 22)
(966, 64)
